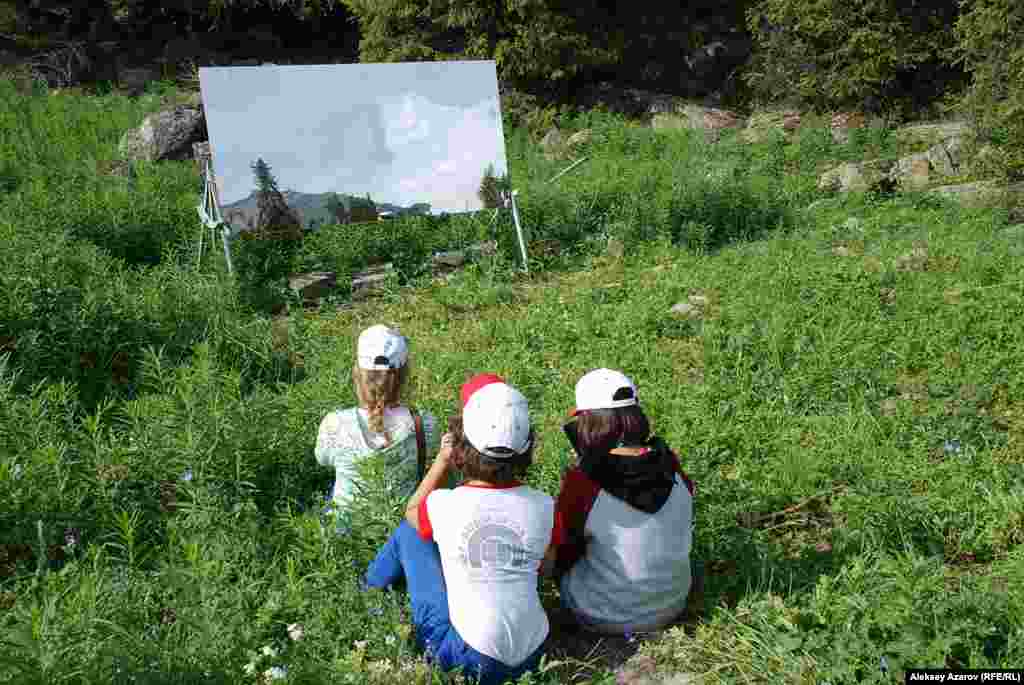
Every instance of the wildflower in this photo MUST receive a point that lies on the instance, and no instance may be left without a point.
(359, 644)
(249, 668)
(187, 475)
(72, 536)
(268, 651)
(389, 640)
(295, 631)
(17, 471)
(952, 446)
(630, 637)
(275, 673)
(380, 667)
(376, 611)
(883, 665)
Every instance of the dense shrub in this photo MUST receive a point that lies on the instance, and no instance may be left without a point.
(990, 45)
(530, 41)
(869, 54)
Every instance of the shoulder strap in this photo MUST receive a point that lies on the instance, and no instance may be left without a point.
(421, 445)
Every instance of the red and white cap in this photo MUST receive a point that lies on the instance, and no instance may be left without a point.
(604, 389)
(381, 348)
(495, 417)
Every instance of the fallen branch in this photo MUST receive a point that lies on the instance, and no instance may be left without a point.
(751, 520)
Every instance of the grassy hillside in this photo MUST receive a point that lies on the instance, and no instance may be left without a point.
(862, 359)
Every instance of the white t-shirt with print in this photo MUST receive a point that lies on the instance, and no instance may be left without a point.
(345, 438)
(492, 542)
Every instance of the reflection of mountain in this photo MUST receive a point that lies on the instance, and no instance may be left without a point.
(311, 208)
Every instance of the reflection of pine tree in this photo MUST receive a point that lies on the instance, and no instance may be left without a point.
(491, 188)
(338, 209)
(276, 218)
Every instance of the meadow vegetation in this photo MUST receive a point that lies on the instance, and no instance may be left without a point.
(159, 501)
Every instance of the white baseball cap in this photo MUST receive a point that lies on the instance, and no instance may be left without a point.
(381, 348)
(496, 421)
(604, 389)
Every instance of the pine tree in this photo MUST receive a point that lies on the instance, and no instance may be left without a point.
(491, 188)
(276, 218)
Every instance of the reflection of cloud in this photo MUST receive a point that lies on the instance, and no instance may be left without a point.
(412, 125)
(451, 183)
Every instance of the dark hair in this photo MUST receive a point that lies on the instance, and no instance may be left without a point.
(600, 430)
(477, 466)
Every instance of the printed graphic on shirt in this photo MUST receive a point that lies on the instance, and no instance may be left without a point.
(493, 541)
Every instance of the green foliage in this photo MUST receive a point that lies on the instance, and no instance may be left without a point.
(844, 52)
(531, 40)
(989, 44)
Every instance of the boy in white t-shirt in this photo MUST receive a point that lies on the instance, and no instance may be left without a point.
(471, 555)
(381, 424)
(628, 513)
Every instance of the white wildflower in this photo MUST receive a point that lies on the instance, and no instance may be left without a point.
(275, 673)
(268, 651)
(250, 668)
(359, 644)
(295, 631)
(389, 640)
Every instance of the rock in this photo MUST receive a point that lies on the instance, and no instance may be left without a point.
(931, 133)
(616, 248)
(856, 176)
(639, 670)
(698, 300)
(451, 259)
(553, 144)
(642, 669)
(841, 251)
(760, 126)
(912, 172)
(579, 139)
(685, 309)
(135, 79)
(843, 123)
(314, 285)
(372, 280)
(696, 117)
(915, 260)
(165, 135)
(984, 194)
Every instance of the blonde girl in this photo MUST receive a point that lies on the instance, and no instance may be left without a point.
(381, 424)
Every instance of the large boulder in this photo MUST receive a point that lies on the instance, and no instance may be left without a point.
(553, 145)
(931, 133)
(165, 135)
(313, 286)
(856, 176)
(844, 122)
(697, 117)
(761, 125)
(916, 171)
(984, 194)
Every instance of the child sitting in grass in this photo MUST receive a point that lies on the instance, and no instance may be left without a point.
(381, 424)
(628, 513)
(471, 555)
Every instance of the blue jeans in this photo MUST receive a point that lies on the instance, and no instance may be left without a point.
(419, 561)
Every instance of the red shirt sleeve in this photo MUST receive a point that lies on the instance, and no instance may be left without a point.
(573, 507)
(558, 530)
(686, 479)
(426, 529)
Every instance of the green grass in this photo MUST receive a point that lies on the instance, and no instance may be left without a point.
(895, 395)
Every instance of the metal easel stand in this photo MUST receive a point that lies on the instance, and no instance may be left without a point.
(209, 214)
(509, 201)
